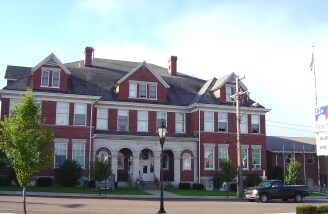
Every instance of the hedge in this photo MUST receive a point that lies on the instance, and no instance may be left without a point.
(184, 186)
(44, 182)
(306, 209)
(197, 186)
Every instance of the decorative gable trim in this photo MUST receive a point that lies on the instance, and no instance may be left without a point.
(228, 78)
(51, 60)
(144, 63)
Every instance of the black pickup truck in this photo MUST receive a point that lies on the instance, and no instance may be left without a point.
(275, 189)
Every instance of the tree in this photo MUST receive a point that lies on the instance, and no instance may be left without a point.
(294, 173)
(68, 173)
(27, 141)
(100, 170)
(228, 171)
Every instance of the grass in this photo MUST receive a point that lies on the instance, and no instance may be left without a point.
(191, 192)
(79, 190)
(319, 193)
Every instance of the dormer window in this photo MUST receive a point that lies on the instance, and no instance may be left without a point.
(50, 77)
(45, 78)
(55, 79)
(142, 90)
(133, 90)
(230, 90)
(153, 92)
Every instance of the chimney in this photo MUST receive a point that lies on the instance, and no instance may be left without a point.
(88, 56)
(173, 65)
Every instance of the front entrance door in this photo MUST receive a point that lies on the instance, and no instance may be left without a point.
(147, 165)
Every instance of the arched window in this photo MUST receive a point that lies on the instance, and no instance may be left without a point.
(186, 161)
(102, 156)
(165, 161)
(120, 161)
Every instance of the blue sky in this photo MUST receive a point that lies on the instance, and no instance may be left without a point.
(270, 42)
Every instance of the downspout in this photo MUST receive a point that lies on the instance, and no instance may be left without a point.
(198, 144)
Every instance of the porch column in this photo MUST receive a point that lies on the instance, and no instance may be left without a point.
(177, 169)
(136, 166)
(157, 164)
(114, 164)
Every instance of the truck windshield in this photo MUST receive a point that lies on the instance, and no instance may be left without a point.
(265, 184)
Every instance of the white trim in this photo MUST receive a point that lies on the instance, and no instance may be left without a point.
(51, 56)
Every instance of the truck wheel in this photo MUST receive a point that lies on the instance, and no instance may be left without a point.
(264, 198)
(298, 197)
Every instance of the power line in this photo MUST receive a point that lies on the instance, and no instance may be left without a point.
(292, 124)
(290, 128)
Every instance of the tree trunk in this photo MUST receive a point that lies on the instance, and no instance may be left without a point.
(24, 199)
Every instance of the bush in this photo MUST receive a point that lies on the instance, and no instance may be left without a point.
(306, 209)
(68, 173)
(233, 187)
(252, 180)
(278, 173)
(44, 182)
(197, 186)
(322, 209)
(4, 181)
(184, 186)
(217, 180)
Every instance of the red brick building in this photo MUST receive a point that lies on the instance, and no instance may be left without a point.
(112, 109)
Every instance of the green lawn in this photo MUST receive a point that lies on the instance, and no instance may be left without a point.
(59, 189)
(191, 192)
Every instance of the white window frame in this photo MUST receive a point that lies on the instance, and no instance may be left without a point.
(180, 122)
(45, 76)
(102, 119)
(223, 153)
(255, 118)
(142, 123)
(258, 165)
(208, 152)
(223, 118)
(120, 160)
(166, 161)
(244, 124)
(123, 114)
(63, 152)
(186, 161)
(208, 121)
(310, 156)
(230, 90)
(80, 109)
(159, 116)
(12, 103)
(244, 161)
(53, 79)
(62, 113)
(78, 153)
(133, 90)
(140, 87)
(150, 91)
(103, 156)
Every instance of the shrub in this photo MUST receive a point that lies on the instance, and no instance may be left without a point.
(278, 173)
(184, 186)
(92, 184)
(233, 187)
(68, 173)
(4, 181)
(197, 186)
(306, 209)
(252, 180)
(168, 185)
(44, 182)
(217, 180)
(322, 209)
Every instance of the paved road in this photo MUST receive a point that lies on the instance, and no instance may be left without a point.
(51, 205)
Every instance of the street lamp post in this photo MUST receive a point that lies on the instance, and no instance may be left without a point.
(162, 132)
(239, 177)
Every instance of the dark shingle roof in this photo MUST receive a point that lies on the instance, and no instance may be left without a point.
(290, 144)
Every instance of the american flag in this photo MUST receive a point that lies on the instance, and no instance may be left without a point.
(312, 62)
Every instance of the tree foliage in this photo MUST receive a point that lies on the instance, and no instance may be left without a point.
(253, 180)
(228, 170)
(26, 140)
(294, 175)
(100, 170)
(68, 173)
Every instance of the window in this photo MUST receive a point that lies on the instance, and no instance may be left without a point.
(244, 158)
(223, 155)
(103, 156)
(13, 102)
(60, 154)
(153, 92)
(142, 91)
(256, 158)
(179, 122)
(165, 161)
(208, 121)
(255, 123)
(310, 158)
(62, 113)
(230, 90)
(45, 78)
(209, 158)
(133, 90)
(120, 161)
(186, 161)
(55, 79)
(243, 124)
(223, 122)
(102, 118)
(78, 151)
(122, 120)
(287, 158)
(80, 114)
(159, 116)
(142, 121)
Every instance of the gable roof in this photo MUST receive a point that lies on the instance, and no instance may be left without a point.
(228, 78)
(51, 60)
(290, 144)
(144, 63)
